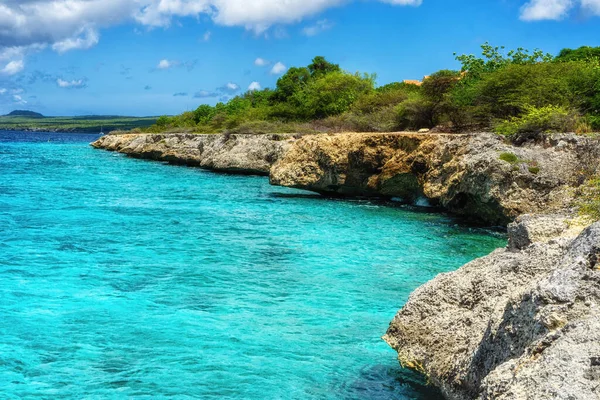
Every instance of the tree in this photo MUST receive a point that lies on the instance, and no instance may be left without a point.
(203, 114)
(320, 66)
(584, 53)
(332, 94)
(493, 59)
(290, 83)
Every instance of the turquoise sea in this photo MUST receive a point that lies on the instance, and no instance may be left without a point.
(122, 278)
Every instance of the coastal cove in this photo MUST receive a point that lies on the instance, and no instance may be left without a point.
(122, 277)
(517, 323)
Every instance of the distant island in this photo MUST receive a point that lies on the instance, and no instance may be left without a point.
(26, 120)
(25, 113)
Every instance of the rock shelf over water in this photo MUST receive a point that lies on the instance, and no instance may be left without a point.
(520, 323)
(246, 154)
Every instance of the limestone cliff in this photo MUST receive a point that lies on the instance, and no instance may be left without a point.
(247, 154)
(521, 323)
(465, 174)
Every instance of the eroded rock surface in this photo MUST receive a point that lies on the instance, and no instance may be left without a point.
(462, 173)
(248, 154)
(521, 323)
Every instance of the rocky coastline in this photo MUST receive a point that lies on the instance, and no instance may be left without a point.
(520, 323)
(241, 154)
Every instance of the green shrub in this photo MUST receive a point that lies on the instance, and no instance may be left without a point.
(594, 122)
(331, 94)
(373, 101)
(510, 91)
(584, 53)
(415, 113)
(534, 170)
(518, 93)
(589, 203)
(509, 158)
(537, 121)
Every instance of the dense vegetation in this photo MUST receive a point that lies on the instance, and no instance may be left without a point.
(517, 93)
(91, 124)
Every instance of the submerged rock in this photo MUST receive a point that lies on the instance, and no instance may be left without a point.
(479, 175)
(247, 154)
(521, 323)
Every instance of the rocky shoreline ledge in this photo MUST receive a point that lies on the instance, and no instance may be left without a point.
(241, 154)
(520, 323)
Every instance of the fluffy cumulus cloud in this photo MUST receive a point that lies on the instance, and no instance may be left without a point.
(254, 86)
(13, 67)
(64, 25)
(278, 69)
(166, 64)
(537, 10)
(261, 62)
(28, 26)
(230, 88)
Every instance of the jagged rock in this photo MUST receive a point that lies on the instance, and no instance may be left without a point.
(517, 324)
(528, 229)
(462, 173)
(248, 154)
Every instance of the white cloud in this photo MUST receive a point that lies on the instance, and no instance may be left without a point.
(166, 64)
(254, 86)
(76, 83)
(278, 69)
(206, 37)
(19, 100)
(546, 9)
(536, 10)
(13, 67)
(261, 62)
(74, 24)
(87, 39)
(593, 6)
(229, 88)
(317, 28)
(3, 91)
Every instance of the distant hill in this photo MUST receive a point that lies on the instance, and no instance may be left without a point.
(25, 113)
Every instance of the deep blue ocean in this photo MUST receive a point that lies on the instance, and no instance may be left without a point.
(123, 278)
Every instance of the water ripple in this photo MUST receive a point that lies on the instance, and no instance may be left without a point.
(122, 278)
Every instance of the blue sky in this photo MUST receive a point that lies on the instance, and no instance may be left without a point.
(153, 57)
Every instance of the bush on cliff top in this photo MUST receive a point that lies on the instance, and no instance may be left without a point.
(525, 91)
(539, 120)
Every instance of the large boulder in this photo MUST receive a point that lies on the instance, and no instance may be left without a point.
(521, 323)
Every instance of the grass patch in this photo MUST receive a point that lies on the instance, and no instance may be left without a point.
(589, 203)
(509, 158)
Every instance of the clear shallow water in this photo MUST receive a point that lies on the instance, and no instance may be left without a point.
(126, 278)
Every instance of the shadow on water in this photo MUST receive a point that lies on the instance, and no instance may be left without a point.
(449, 218)
(382, 382)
